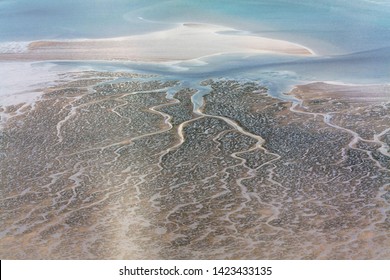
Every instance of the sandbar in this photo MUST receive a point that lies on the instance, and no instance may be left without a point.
(185, 42)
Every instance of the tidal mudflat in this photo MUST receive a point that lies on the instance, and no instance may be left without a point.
(194, 129)
(107, 165)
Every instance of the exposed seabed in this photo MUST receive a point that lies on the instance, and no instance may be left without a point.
(111, 165)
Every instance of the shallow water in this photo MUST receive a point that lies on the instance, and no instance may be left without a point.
(351, 38)
(325, 26)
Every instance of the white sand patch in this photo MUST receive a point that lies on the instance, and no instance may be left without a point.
(20, 82)
(23, 82)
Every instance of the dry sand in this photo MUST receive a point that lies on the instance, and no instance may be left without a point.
(185, 42)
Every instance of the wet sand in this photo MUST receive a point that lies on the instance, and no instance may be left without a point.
(110, 170)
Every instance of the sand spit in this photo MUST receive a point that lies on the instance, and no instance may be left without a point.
(186, 41)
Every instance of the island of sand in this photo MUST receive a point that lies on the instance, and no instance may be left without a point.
(184, 42)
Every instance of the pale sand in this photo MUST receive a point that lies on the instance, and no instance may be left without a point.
(352, 93)
(185, 42)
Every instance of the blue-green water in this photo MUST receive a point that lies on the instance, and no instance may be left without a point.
(351, 38)
(327, 26)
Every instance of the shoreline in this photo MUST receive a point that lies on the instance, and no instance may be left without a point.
(300, 89)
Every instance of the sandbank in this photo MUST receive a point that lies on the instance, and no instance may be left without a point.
(184, 42)
(350, 92)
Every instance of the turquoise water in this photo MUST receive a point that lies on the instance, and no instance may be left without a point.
(351, 38)
(327, 26)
